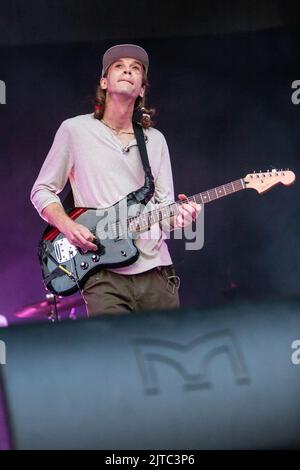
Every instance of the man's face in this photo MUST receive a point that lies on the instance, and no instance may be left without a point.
(124, 77)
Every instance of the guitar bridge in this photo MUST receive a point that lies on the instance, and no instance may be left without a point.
(64, 250)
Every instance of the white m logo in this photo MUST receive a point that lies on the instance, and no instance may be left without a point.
(152, 352)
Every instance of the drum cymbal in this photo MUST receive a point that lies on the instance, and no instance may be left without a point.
(45, 307)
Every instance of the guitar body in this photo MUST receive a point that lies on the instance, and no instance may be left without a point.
(65, 268)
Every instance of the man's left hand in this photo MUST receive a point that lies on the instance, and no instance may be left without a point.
(188, 211)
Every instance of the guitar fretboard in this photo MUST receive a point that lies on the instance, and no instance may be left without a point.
(147, 219)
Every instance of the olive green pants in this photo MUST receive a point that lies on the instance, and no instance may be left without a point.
(109, 292)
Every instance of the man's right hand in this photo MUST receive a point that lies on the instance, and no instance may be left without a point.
(77, 234)
(80, 236)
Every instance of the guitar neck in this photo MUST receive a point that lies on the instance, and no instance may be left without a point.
(147, 219)
(217, 193)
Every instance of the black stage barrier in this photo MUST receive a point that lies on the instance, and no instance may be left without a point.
(224, 378)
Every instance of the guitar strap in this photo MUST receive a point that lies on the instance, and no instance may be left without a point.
(145, 193)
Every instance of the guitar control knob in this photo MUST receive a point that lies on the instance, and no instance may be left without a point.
(95, 258)
(123, 253)
(84, 265)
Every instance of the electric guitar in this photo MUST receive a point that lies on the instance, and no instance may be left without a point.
(65, 268)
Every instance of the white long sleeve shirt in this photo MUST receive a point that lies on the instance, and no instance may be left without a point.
(101, 172)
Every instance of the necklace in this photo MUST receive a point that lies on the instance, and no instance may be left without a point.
(116, 130)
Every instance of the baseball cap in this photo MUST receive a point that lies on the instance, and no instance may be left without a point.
(124, 50)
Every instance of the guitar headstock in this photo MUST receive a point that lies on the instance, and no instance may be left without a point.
(263, 181)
